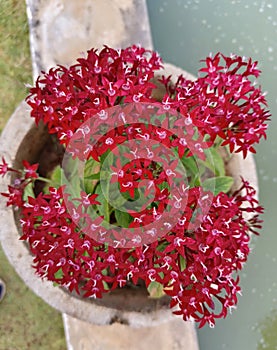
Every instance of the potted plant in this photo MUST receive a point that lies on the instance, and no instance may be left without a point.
(124, 190)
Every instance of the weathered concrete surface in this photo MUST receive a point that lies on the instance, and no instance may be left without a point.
(174, 335)
(62, 30)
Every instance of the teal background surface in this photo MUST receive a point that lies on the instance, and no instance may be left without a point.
(184, 32)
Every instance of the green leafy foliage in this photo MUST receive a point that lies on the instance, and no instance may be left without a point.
(59, 274)
(193, 171)
(123, 219)
(103, 208)
(182, 263)
(69, 177)
(218, 184)
(214, 161)
(28, 192)
(91, 175)
(56, 177)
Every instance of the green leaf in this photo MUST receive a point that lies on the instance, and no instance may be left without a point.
(56, 177)
(58, 274)
(103, 208)
(161, 247)
(92, 177)
(105, 285)
(28, 192)
(155, 290)
(190, 164)
(68, 176)
(123, 219)
(73, 184)
(218, 184)
(115, 195)
(91, 167)
(108, 158)
(71, 168)
(214, 161)
(183, 263)
(193, 170)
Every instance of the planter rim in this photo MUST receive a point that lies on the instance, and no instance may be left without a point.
(21, 259)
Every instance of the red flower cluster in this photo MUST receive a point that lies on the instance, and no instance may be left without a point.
(223, 102)
(194, 261)
(196, 258)
(65, 98)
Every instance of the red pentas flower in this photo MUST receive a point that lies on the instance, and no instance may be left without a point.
(138, 196)
(30, 170)
(65, 97)
(224, 102)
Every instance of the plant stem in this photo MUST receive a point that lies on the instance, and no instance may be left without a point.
(43, 179)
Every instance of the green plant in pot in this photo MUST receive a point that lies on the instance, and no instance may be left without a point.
(131, 191)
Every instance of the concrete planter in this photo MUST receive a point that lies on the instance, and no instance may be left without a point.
(21, 139)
